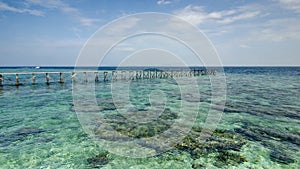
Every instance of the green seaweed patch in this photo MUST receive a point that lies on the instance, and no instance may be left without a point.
(197, 165)
(99, 160)
(276, 141)
(229, 158)
(220, 141)
(141, 130)
(280, 157)
(258, 133)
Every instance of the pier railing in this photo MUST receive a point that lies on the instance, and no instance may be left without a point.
(22, 78)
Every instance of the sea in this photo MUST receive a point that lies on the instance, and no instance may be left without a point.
(259, 126)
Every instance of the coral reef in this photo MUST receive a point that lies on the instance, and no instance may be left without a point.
(99, 160)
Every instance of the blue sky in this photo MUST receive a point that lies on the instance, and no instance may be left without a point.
(52, 32)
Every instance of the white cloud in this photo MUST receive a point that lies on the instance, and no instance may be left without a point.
(66, 8)
(197, 14)
(53, 4)
(293, 5)
(245, 46)
(193, 14)
(123, 25)
(242, 16)
(163, 2)
(280, 30)
(126, 49)
(88, 21)
(6, 7)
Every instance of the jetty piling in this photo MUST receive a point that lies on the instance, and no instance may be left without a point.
(114, 75)
(17, 80)
(145, 74)
(85, 77)
(123, 75)
(73, 77)
(105, 78)
(33, 78)
(1, 79)
(47, 79)
(131, 75)
(96, 77)
(152, 74)
(165, 75)
(107, 75)
(61, 80)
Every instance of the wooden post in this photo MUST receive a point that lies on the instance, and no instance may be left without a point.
(166, 74)
(131, 75)
(174, 73)
(138, 74)
(105, 76)
(190, 73)
(73, 77)
(1, 79)
(47, 79)
(61, 80)
(171, 74)
(85, 77)
(33, 78)
(96, 77)
(114, 75)
(185, 73)
(214, 72)
(17, 80)
(152, 74)
(123, 75)
(146, 74)
(160, 75)
(207, 72)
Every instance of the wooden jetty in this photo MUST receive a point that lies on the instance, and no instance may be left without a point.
(105, 75)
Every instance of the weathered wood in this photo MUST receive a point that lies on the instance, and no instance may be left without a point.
(85, 77)
(17, 80)
(152, 74)
(110, 75)
(138, 74)
(96, 77)
(33, 78)
(61, 80)
(123, 76)
(1, 79)
(114, 75)
(73, 77)
(146, 74)
(131, 75)
(47, 79)
(105, 78)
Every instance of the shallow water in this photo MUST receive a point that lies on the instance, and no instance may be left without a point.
(260, 126)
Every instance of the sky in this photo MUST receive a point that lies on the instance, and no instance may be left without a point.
(243, 32)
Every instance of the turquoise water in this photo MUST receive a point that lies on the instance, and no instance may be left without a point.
(260, 126)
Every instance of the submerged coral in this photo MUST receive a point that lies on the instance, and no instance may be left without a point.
(225, 143)
(141, 130)
(99, 160)
(274, 140)
(19, 135)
